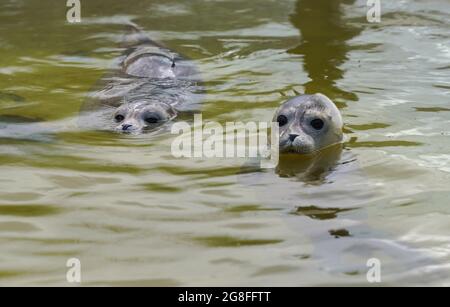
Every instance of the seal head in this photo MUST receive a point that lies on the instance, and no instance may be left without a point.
(142, 115)
(308, 123)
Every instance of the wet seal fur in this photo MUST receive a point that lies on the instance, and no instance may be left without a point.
(308, 123)
(150, 87)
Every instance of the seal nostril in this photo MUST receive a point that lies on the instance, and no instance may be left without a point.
(292, 137)
(126, 126)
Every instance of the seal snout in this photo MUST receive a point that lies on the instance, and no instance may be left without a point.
(125, 127)
(292, 137)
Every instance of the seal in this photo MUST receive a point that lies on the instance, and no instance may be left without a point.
(308, 123)
(150, 86)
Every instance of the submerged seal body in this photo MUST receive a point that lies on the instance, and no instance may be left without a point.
(308, 123)
(149, 87)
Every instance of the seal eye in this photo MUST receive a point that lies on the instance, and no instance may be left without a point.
(119, 118)
(282, 120)
(317, 124)
(152, 119)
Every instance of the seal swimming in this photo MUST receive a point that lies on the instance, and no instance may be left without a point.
(308, 123)
(150, 86)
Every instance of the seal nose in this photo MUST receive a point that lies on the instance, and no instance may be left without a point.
(126, 126)
(292, 137)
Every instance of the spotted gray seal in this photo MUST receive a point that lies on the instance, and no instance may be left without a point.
(148, 88)
(308, 123)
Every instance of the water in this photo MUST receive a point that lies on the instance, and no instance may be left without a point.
(134, 215)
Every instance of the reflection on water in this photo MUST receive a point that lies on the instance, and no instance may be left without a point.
(135, 215)
(324, 45)
(319, 213)
(310, 168)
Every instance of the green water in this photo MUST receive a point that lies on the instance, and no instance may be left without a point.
(135, 215)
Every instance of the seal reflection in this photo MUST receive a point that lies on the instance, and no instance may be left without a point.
(311, 168)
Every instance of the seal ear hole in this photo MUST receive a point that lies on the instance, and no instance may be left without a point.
(282, 120)
(119, 118)
(317, 124)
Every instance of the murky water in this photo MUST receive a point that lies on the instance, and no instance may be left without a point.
(135, 215)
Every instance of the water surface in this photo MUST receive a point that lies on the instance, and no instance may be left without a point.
(134, 215)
